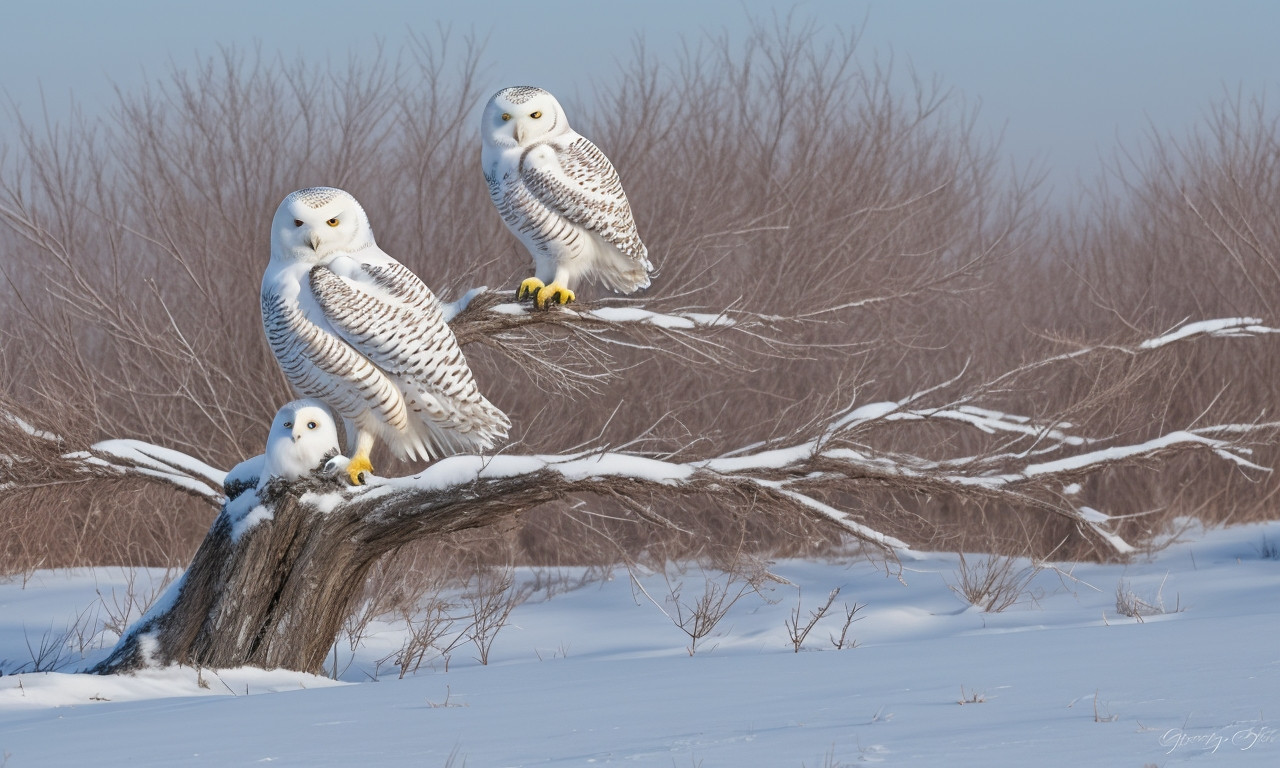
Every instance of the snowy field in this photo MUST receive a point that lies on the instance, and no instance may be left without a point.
(599, 675)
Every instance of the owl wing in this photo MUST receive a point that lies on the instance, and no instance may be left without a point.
(319, 364)
(389, 317)
(584, 187)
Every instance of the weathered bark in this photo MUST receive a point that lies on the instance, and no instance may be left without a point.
(277, 594)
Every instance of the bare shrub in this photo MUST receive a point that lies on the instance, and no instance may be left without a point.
(1181, 227)
(972, 697)
(445, 594)
(54, 650)
(698, 616)
(354, 631)
(850, 615)
(54, 527)
(1129, 603)
(994, 583)
(125, 607)
(448, 702)
(796, 633)
(427, 623)
(491, 601)
(49, 654)
(415, 584)
(1102, 715)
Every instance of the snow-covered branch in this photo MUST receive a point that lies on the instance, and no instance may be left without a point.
(480, 305)
(1227, 327)
(1025, 437)
(1032, 464)
(798, 476)
(40, 458)
(154, 462)
(534, 339)
(1222, 327)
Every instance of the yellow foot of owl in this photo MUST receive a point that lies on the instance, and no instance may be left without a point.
(555, 293)
(358, 469)
(529, 289)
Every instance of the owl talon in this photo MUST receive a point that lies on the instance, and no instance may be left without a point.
(529, 289)
(555, 293)
(359, 470)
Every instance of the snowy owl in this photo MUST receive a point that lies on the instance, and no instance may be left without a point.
(303, 436)
(560, 196)
(355, 329)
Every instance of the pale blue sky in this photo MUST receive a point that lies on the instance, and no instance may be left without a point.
(1063, 80)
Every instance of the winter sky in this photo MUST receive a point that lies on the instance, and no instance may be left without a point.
(1067, 82)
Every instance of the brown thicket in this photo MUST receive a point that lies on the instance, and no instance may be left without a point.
(880, 244)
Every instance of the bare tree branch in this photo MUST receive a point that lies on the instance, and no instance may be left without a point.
(836, 457)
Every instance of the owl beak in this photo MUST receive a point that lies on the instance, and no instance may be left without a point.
(315, 240)
(519, 130)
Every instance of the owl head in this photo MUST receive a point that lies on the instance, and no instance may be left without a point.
(313, 224)
(303, 436)
(520, 116)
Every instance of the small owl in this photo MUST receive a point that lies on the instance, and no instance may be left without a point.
(356, 330)
(303, 437)
(560, 196)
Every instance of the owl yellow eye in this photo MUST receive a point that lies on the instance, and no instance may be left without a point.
(312, 425)
(506, 116)
(536, 115)
(288, 425)
(297, 222)
(332, 222)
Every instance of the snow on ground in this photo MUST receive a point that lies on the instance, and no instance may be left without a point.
(599, 675)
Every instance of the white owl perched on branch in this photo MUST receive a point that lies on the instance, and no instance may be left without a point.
(303, 436)
(560, 196)
(355, 329)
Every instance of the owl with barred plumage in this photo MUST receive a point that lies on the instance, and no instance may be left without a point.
(355, 329)
(561, 197)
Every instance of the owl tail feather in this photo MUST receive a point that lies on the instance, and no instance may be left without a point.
(473, 428)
